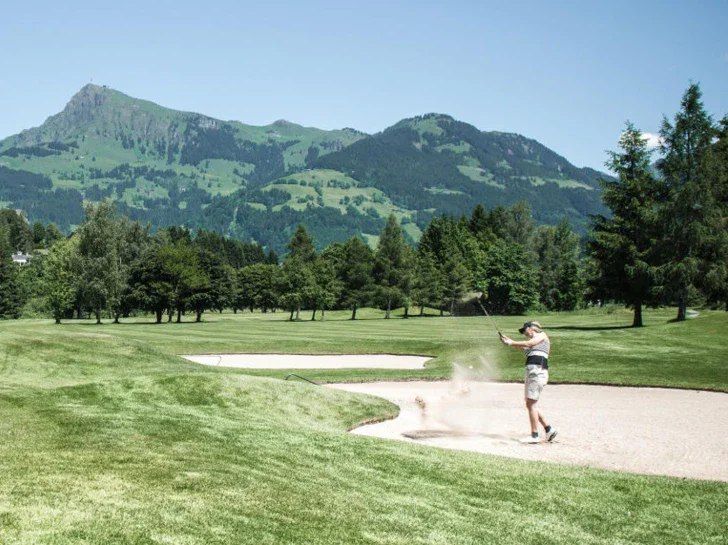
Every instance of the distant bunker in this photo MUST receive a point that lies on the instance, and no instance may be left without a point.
(308, 361)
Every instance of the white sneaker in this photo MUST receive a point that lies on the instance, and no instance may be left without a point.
(551, 435)
(529, 440)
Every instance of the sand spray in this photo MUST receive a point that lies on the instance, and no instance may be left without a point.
(460, 410)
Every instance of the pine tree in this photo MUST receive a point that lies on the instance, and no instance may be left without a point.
(9, 290)
(715, 281)
(355, 271)
(392, 267)
(623, 246)
(298, 283)
(428, 284)
(691, 198)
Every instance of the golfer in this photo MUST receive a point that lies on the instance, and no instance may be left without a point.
(537, 348)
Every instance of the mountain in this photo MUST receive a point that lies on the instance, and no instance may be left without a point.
(169, 167)
(434, 162)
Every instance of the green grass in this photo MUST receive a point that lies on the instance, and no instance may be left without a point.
(333, 196)
(461, 147)
(479, 175)
(110, 438)
(443, 191)
(429, 125)
(594, 346)
(537, 181)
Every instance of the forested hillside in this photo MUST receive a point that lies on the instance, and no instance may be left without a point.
(435, 162)
(167, 167)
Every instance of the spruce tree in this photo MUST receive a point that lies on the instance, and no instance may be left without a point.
(9, 291)
(457, 248)
(298, 282)
(715, 281)
(392, 267)
(19, 232)
(623, 246)
(355, 271)
(428, 284)
(691, 199)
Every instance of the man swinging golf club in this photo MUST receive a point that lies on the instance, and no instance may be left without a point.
(537, 348)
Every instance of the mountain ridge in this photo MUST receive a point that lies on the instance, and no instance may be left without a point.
(168, 166)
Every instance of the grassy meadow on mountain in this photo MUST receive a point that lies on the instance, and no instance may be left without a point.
(168, 168)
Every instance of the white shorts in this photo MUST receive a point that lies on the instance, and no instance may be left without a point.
(536, 379)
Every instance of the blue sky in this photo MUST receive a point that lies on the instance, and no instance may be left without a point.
(565, 73)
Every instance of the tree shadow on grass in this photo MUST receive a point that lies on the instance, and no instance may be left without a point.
(88, 324)
(591, 328)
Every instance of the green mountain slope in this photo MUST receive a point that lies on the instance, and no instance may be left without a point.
(435, 162)
(118, 128)
(169, 167)
(152, 160)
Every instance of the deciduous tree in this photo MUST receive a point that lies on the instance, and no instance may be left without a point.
(59, 278)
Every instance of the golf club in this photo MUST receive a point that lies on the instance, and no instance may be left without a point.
(475, 296)
(492, 321)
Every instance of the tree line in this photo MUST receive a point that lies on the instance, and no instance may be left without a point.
(664, 243)
(112, 266)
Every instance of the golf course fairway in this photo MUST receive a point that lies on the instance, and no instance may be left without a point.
(110, 437)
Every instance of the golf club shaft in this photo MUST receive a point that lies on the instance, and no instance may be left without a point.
(492, 321)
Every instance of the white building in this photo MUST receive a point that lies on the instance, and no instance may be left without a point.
(21, 259)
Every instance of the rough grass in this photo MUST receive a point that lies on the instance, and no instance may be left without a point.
(110, 438)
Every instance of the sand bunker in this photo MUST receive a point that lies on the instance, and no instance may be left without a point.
(300, 361)
(642, 430)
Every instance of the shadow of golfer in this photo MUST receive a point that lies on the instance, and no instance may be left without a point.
(439, 434)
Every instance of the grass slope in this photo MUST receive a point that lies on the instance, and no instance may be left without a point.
(108, 438)
(339, 191)
(100, 122)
